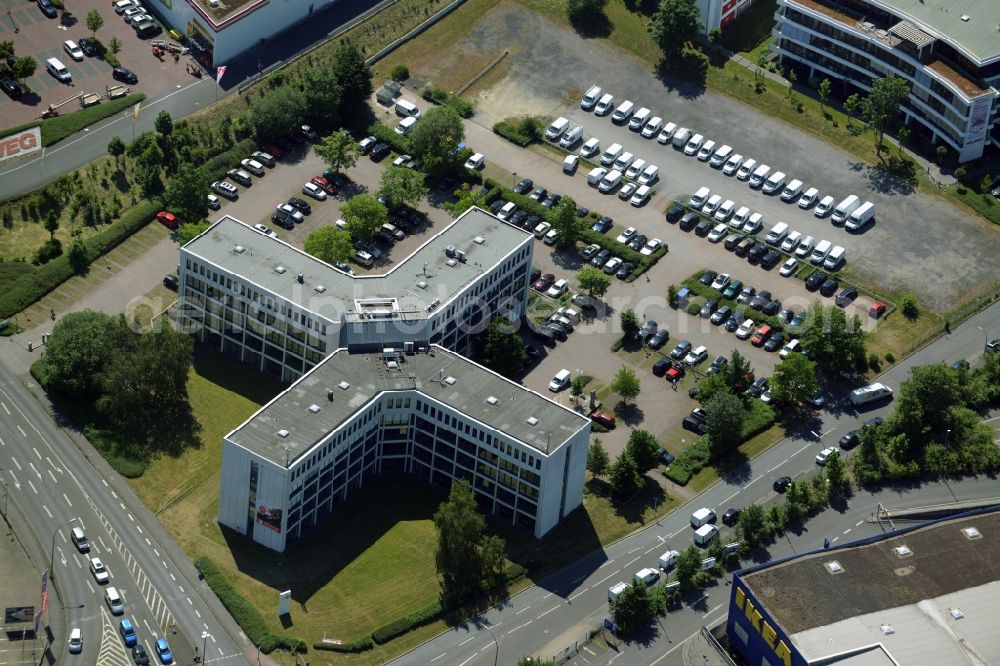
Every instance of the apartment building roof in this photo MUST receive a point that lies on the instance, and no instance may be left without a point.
(417, 285)
(970, 25)
(344, 384)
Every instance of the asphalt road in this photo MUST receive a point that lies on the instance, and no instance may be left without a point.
(57, 488)
(545, 619)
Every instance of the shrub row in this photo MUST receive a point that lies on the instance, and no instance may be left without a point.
(417, 618)
(706, 292)
(438, 96)
(520, 131)
(32, 286)
(760, 417)
(245, 614)
(397, 142)
(360, 645)
(691, 461)
(216, 167)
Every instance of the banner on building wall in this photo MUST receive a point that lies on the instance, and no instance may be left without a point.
(269, 517)
(979, 120)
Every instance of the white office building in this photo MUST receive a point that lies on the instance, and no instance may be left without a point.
(282, 311)
(948, 50)
(429, 413)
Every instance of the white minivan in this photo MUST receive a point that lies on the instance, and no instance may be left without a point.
(694, 144)
(720, 156)
(571, 137)
(114, 601)
(560, 381)
(556, 129)
(774, 183)
(406, 109)
(623, 112)
(639, 119)
(58, 70)
(611, 154)
(610, 181)
(870, 393)
(819, 254)
(776, 234)
(590, 147)
(604, 105)
(759, 175)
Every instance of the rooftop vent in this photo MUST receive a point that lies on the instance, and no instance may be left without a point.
(314, 409)
(344, 385)
(532, 421)
(956, 613)
(461, 255)
(966, 17)
(887, 629)
(319, 288)
(902, 551)
(422, 284)
(282, 434)
(449, 380)
(301, 278)
(392, 365)
(279, 269)
(834, 567)
(449, 251)
(239, 249)
(478, 240)
(492, 400)
(971, 533)
(451, 262)
(329, 395)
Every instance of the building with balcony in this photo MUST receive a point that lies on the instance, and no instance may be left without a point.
(282, 311)
(948, 50)
(429, 413)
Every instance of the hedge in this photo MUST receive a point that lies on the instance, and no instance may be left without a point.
(706, 292)
(759, 418)
(438, 96)
(417, 618)
(512, 129)
(245, 614)
(59, 127)
(217, 166)
(30, 287)
(397, 142)
(360, 645)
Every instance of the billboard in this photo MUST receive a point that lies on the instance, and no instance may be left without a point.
(21, 143)
(269, 517)
(978, 120)
(18, 614)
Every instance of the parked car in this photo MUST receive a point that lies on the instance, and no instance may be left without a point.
(603, 225)
(731, 516)
(782, 483)
(850, 440)
(681, 350)
(124, 75)
(379, 151)
(313, 190)
(213, 202)
(846, 297)
(523, 185)
(658, 339)
(10, 87)
(544, 282)
(169, 220)
(717, 365)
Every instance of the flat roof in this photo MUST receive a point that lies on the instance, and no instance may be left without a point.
(976, 35)
(415, 282)
(222, 13)
(839, 600)
(358, 379)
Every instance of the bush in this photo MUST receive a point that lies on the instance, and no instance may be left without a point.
(759, 418)
(47, 252)
(890, 358)
(691, 461)
(246, 615)
(908, 305)
(217, 167)
(360, 645)
(400, 72)
(397, 142)
(437, 96)
(417, 618)
(521, 131)
(708, 293)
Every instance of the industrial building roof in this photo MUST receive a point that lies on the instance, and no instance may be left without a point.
(418, 283)
(971, 25)
(924, 597)
(305, 413)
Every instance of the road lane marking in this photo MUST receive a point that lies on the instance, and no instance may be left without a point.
(577, 580)
(548, 595)
(777, 466)
(546, 613)
(631, 551)
(752, 481)
(2, 443)
(604, 579)
(54, 479)
(17, 484)
(656, 547)
(667, 653)
(197, 613)
(438, 657)
(21, 430)
(92, 590)
(67, 500)
(577, 594)
(801, 450)
(47, 511)
(858, 523)
(730, 497)
(468, 660)
(37, 454)
(616, 656)
(671, 536)
(191, 603)
(630, 561)
(605, 564)
(5, 408)
(470, 638)
(521, 627)
(711, 611)
(522, 610)
(662, 540)
(834, 539)
(847, 530)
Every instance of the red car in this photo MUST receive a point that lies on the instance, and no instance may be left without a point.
(169, 220)
(324, 184)
(275, 150)
(605, 419)
(761, 336)
(675, 373)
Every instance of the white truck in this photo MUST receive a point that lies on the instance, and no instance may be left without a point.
(704, 534)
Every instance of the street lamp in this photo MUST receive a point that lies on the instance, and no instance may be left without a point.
(52, 550)
(204, 645)
(496, 655)
(986, 338)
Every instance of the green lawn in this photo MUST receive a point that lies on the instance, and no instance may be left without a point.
(58, 128)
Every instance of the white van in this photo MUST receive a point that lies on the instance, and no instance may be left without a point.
(819, 254)
(870, 393)
(611, 154)
(570, 164)
(835, 258)
(702, 516)
(641, 196)
(610, 181)
(667, 133)
(507, 210)
(740, 218)
(556, 129)
(681, 137)
(776, 234)
(774, 183)
(571, 137)
(649, 175)
(669, 559)
(649, 576)
(615, 590)
(791, 241)
(80, 540)
(595, 176)
(789, 349)
(759, 175)
(407, 109)
(560, 381)
(861, 216)
(624, 161)
(590, 98)
(591, 147)
(406, 125)
(720, 156)
(639, 119)
(746, 169)
(114, 601)
(754, 224)
(704, 535)
(58, 70)
(694, 144)
(604, 105)
(845, 208)
(700, 197)
(623, 112)
(792, 191)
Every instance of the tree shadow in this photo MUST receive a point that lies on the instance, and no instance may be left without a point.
(630, 413)
(739, 475)
(896, 176)
(68, 19)
(591, 24)
(120, 181)
(231, 375)
(631, 509)
(684, 76)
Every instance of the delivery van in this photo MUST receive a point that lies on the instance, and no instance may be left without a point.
(705, 534)
(845, 208)
(681, 137)
(623, 112)
(759, 175)
(835, 258)
(701, 517)
(590, 98)
(556, 129)
(560, 381)
(819, 254)
(406, 109)
(611, 154)
(571, 137)
(870, 393)
(861, 216)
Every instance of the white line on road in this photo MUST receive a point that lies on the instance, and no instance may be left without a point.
(604, 579)
(801, 450)
(104, 481)
(631, 551)
(191, 603)
(651, 549)
(470, 638)
(37, 454)
(2, 443)
(148, 542)
(858, 523)
(17, 484)
(197, 613)
(47, 510)
(605, 564)
(634, 560)
(667, 653)
(616, 656)
(578, 594)
(32, 486)
(19, 468)
(546, 613)
(752, 481)
(172, 578)
(157, 552)
(54, 479)
(92, 590)
(438, 657)
(21, 430)
(777, 466)
(5, 408)
(522, 610)
(521, 627)
(67, 500)
(671, 536)
(37, 473)
(577, 580)
(711, 611)
(730, 497)
(847, 530)
(468, 660)
(834, 539)
(131, 518)
(660, 538)
(548, 595)
(139, 527)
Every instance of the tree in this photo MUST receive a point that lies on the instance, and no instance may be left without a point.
(185, 194)
(688, 566)
(329, 244)
(587, 16)
(503, 348)
(435, 138)
(908, 306)
(52, 224)
(762, 60)
(725, 424)
(354, 78)
(277, 110)
(401, 186)
(76, 352)
(836, 477)
(851, 105)
(577, 386)
(925, 404)
(400, 72)
(593, 281)
(323, 97)
(149, 179)
(882, 105)
(116, 148)
(626, 384)
(597, 458)
(714, 36)
(738, 373)
(794, 380)
(750, 525)
(644, 449)
(339, 150)
(188, 231)
(902, 136)
(824, 89)
(630, 324)
(79, 257)
(6, 49)
(941, 152)
(364, 215)
(834, 342)
(676, 23)
(24, 67)
(632, 609)
(566, 222)
(465, 558)
(94, 21)
(115, 45)
(624, 475)
(711, 386)
(164, 124)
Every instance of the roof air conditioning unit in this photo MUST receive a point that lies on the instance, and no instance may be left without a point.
(449, 251)
(301, 278)
(460, 255)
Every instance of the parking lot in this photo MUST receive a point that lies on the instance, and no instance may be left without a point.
(42, 38)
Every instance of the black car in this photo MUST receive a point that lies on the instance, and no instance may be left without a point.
(775, 342)
(708, 308)
(147, 29)
(666, 457)
(539, 194)
(700, 414)
(10, 87)
(558, 331)
(708, 277)
(757, 252)
(721, 315)
(300, 205)
(689, 221)
(139, 656)
(829, 287)
(760, 300)
(703, 227)
(170, 282)
(717, 365)
(518, 218)
(551, 200)
(601, 258)
(523, 186)
(675, 213)
(759, 386)
(625, 270)
(781, 484)
(283, 219)
(637, 241)
(694, 425)
(681, 350)
(850, 440)
(786, 315)
(497, 205)
(124, 75)
(814, 281)
(603, 225)
(874, 422)
(770, 259)
(661, 366)
(383, 239)
(731, 516)
(88, 46)
(532, 352)
(582, 212)
(846, 297)
(47, 8)
(656, 341)
(771, 308)
(379, 151)
(734, 321)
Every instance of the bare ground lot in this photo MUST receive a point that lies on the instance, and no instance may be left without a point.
(918, 244)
